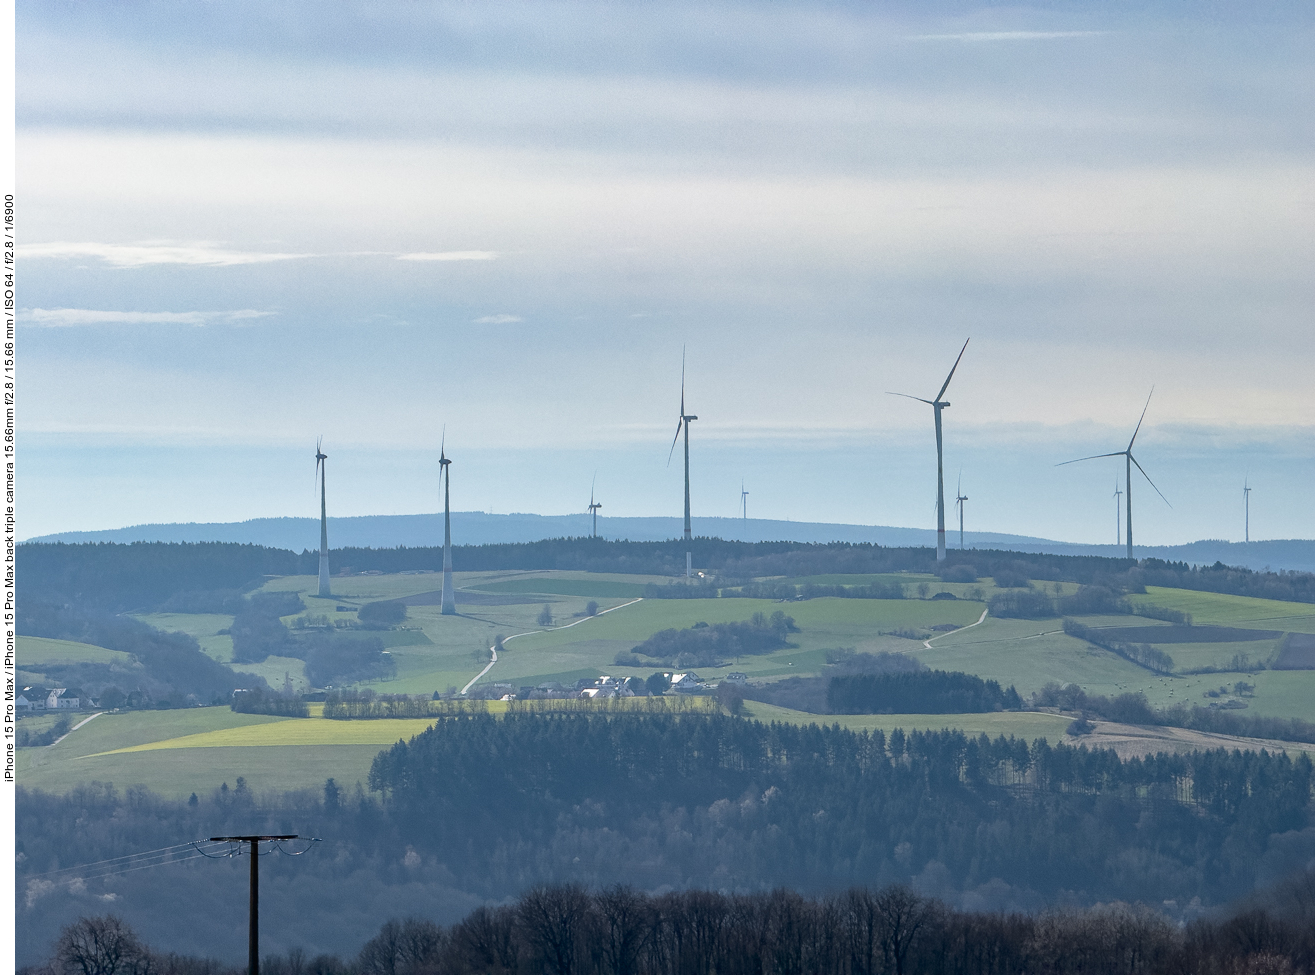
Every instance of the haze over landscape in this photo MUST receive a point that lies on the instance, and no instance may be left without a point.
(284, 265)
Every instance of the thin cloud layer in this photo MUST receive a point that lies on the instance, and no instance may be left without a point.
(821, 199)
(67, 317)
(449, 256)
(146, 255)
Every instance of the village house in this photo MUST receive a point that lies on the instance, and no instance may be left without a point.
(64, 699)
(32, 698)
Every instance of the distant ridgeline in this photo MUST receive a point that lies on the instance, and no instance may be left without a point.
(143, 575)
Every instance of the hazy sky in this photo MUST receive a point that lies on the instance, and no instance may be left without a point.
(247, 225)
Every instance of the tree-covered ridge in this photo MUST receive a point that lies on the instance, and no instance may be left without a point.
(481, 808)
(144, 575)
(815, 807)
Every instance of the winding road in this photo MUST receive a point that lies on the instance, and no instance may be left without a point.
(494, 650)
(981, 619)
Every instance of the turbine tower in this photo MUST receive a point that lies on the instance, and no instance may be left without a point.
(959, 499)
(320, 469)
(449, 598)
(594, 505)
(684, 422)
(1129, 462)
(937, 405)
(1246, 497)
(1118, 514)
(744, 502)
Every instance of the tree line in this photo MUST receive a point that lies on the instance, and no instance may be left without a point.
(567, 929)
(142, 576)
(918, 692)
(1134, 708)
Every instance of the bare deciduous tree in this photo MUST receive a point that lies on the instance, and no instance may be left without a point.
(101, 946)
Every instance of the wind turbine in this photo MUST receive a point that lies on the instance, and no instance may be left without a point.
(744, 502)
(939, 404)
(1118, 517)
(449, 598)
(320, 469)
(1129, 460)
(1246, 496)
(959, 499)
(594, 505)
(684, 422)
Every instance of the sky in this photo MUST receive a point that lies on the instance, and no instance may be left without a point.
(247, 226)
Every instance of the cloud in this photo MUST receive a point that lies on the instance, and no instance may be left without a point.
(449, 256)
(1011, 35)
(498, 320)
(62, 317)
(144, 255)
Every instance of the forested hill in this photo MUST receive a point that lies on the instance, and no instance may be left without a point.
(481, 809)
(741, 804)
(143, 575)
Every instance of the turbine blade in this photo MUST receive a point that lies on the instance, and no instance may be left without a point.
(1117, 453)
(955, 366)
(682, 382)
(907, 396)
(1143, 416)
(672, 452)
(1149, 481)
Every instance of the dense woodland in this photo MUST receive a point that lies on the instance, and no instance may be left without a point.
(479, 808)
(569, 930)
(142, 576)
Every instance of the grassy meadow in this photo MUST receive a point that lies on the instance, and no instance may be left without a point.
(178, 752)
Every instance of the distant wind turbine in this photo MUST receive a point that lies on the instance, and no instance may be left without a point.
(939, 404)
(320, 468)
(744, 502)
(1129, 460)
(449, 597)
(594, 505)
(684, 422)
(1118, 516)
(960, 498)
(1246, 495)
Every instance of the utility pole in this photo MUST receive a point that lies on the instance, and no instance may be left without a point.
(253, 929)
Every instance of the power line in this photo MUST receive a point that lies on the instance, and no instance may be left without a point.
(253, 842)
(162, 851)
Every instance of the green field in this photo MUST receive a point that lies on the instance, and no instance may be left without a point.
(183, 751)
(194, 750)
(204, 627)
(36, 653)
(1028, 725)
(566, 587)
(1209, 607)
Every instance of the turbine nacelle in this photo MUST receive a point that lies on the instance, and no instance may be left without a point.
(937, 405)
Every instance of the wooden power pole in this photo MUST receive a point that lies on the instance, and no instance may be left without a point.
(253, 930)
